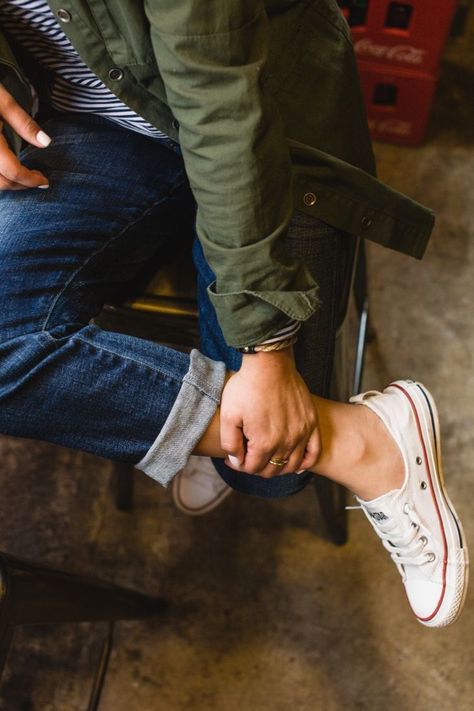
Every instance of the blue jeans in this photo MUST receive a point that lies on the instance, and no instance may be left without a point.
(116, 198)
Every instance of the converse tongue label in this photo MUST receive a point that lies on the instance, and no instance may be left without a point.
(378, 515)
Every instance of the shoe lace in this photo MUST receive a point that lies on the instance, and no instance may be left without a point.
(404, 542)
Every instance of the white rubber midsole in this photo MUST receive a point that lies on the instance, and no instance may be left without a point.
(457, 569)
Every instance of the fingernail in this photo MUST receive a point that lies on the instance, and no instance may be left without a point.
(43, 138)
(234, 461)
(301, 471)
(42, 187)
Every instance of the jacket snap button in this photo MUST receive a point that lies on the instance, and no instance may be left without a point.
(115, 74)
(309, 199)
(64, 15)
(366, 221)
(175, 124)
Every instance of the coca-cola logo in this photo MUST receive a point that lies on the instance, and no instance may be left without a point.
(398, 53)
(394, 127)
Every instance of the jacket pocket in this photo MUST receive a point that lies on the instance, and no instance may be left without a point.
(125, 30)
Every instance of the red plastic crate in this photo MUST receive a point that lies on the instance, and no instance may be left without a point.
(398, 102)
(408, 34)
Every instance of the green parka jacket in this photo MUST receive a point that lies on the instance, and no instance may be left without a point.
(264, 98)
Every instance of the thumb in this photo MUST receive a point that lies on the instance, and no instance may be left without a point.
(232, 442)
(313, 451)
(20, 121)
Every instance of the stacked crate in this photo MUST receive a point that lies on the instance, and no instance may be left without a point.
(399, 47)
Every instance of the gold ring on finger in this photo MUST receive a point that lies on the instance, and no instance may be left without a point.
(278, 461)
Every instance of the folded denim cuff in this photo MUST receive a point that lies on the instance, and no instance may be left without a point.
(189, 418)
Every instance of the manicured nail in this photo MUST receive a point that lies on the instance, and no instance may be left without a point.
(301, 471)
(234, 461)
(43, 138)
(43, 187)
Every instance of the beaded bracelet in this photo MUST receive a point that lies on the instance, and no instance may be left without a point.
(269, 347)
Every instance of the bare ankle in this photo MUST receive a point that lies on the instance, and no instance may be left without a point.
(357, 450)
(380, 468)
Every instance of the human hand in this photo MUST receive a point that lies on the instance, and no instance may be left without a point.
(14, 175)
(267, 411)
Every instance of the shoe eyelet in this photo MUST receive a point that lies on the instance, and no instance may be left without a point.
(423, 485)
(406, 509)
(424, 540)
(431, 557)
(419, 461)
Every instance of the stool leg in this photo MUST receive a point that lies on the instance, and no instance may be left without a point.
(332, 499)
(360, 291)
(6, 636)
(41, 595)
(101, 670)
(362, 336)
(32, 594)
(123, 480)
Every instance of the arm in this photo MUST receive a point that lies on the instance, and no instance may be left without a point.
(212, 62)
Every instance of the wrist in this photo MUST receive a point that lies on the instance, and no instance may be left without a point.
(280, 340)
(268, 359)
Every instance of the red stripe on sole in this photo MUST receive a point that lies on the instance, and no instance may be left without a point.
(438, 512)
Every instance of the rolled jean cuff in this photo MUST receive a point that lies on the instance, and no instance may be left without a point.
(192, 411)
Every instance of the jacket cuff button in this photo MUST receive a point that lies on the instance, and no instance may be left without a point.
(64, 15)
(366, 221)
(309, 199)
(115, 74)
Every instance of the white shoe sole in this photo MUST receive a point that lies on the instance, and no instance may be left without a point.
(456, 563)
(210, 506)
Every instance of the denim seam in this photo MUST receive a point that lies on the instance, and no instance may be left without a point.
(121, 355)
(28, 333)
(199, 388)
(142, 363)
(104, 247)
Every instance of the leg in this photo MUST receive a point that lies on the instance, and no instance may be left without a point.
(389, 454)
(65, 250)
(357, 451)
(328, 254)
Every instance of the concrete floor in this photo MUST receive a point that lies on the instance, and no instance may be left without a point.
(267, 615)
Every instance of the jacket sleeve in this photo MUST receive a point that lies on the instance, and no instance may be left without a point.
(212, 58)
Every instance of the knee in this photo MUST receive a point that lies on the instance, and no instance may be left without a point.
(24, 360)
(16, 324)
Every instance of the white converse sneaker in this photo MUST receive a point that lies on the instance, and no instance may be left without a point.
(198, 488)
(417, 523)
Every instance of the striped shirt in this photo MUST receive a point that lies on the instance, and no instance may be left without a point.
(73, 87)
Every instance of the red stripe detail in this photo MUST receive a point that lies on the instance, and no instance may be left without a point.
(445, 543)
